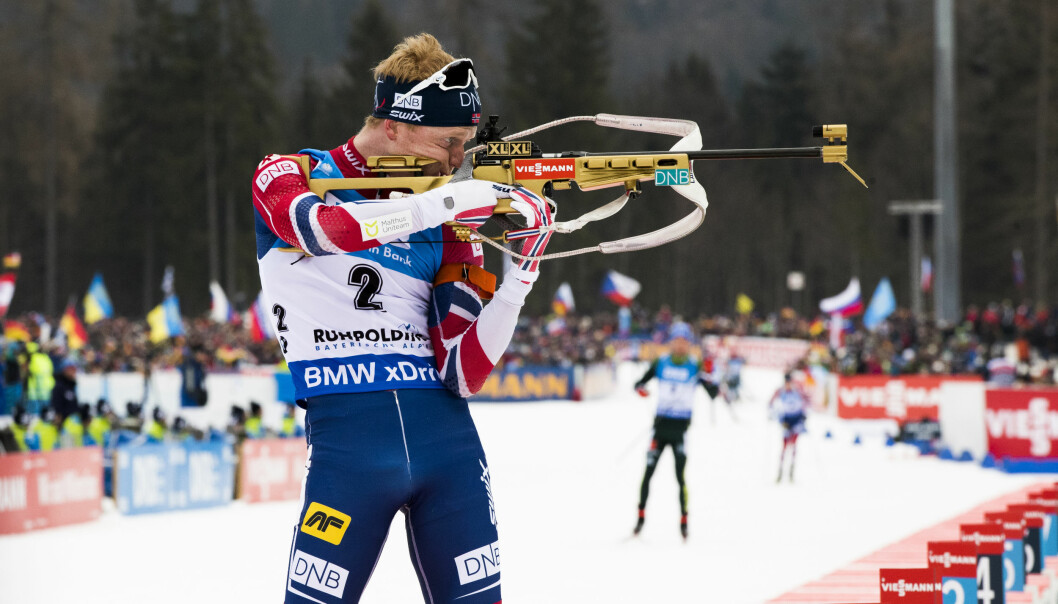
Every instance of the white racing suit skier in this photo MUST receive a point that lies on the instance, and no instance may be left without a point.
(383, 343)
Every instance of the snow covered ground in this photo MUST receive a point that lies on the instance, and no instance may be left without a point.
(566, 479)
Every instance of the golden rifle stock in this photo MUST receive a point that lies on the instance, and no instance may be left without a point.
(589, 172)
(513, 163)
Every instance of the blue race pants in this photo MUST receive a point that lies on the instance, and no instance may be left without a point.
(372, 455)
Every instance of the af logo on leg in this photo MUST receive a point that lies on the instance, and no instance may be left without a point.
(325, 523)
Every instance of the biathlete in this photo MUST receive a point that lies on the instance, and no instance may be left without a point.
(678, 374)
(789, 404)
(378, 310)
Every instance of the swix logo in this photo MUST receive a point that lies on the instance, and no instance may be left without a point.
(317, 573)
(479, 563)
(409, 116)
(325, 523)
(487, 479)
(902, 588)
(947, 559)
(274, 171)
(536, 169)
(1038, 424)
(407, 101)
(354, 160)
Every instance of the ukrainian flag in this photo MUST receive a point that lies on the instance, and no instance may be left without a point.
(97, 304)
(165, 321)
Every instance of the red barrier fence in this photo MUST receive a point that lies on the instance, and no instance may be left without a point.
(904, 398)
(41, 490)
(272, 469)
(1022, 423)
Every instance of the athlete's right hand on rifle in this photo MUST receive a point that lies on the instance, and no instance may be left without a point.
(468, 202)
(537, 213)
(471, 203)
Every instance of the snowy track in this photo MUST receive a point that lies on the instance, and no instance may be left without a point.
(566, 479)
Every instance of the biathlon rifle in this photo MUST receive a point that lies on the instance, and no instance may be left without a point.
(508, 160)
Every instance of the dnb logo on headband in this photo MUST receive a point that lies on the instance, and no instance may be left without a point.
(408, 101)
(449, 97)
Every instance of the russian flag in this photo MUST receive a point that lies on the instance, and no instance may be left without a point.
(620, 289)
(847, 303)
(926, 274)
(563, 302)
(256, 320)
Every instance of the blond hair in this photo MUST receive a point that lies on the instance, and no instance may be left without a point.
(415, 58)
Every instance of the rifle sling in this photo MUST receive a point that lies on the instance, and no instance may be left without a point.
(471, 274)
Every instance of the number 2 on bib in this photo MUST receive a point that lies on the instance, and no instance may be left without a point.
(365, 277)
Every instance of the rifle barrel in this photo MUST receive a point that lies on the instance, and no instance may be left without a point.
(704, 154)
(772, 153)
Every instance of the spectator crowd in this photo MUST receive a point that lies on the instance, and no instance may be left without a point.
(1017, 343)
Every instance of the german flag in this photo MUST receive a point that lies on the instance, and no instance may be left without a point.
(76, 336)
(13, 330)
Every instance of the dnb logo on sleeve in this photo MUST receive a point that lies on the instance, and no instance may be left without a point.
(325, 523)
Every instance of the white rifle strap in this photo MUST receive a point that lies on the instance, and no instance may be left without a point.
(691, 140)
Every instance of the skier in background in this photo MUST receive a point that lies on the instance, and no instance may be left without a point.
(733, 377)
(788, 404)
(714, 373)
(678, 375)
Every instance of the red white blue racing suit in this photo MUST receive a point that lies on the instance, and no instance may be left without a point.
(381, 359)
(789, 404)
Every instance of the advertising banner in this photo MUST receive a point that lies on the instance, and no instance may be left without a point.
(907, 586)
(271, 469)
(954, 565)
(528, 384)
(768, 353)
(42, 490)
(1022, 423)
(903, 398)
(173, 476)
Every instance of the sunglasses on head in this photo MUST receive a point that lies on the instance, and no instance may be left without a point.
(456, 75)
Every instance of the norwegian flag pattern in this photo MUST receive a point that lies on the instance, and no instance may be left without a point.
(467, 338)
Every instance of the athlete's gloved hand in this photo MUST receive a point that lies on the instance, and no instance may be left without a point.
(468, 202)
(642, 391)
(537, 213)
